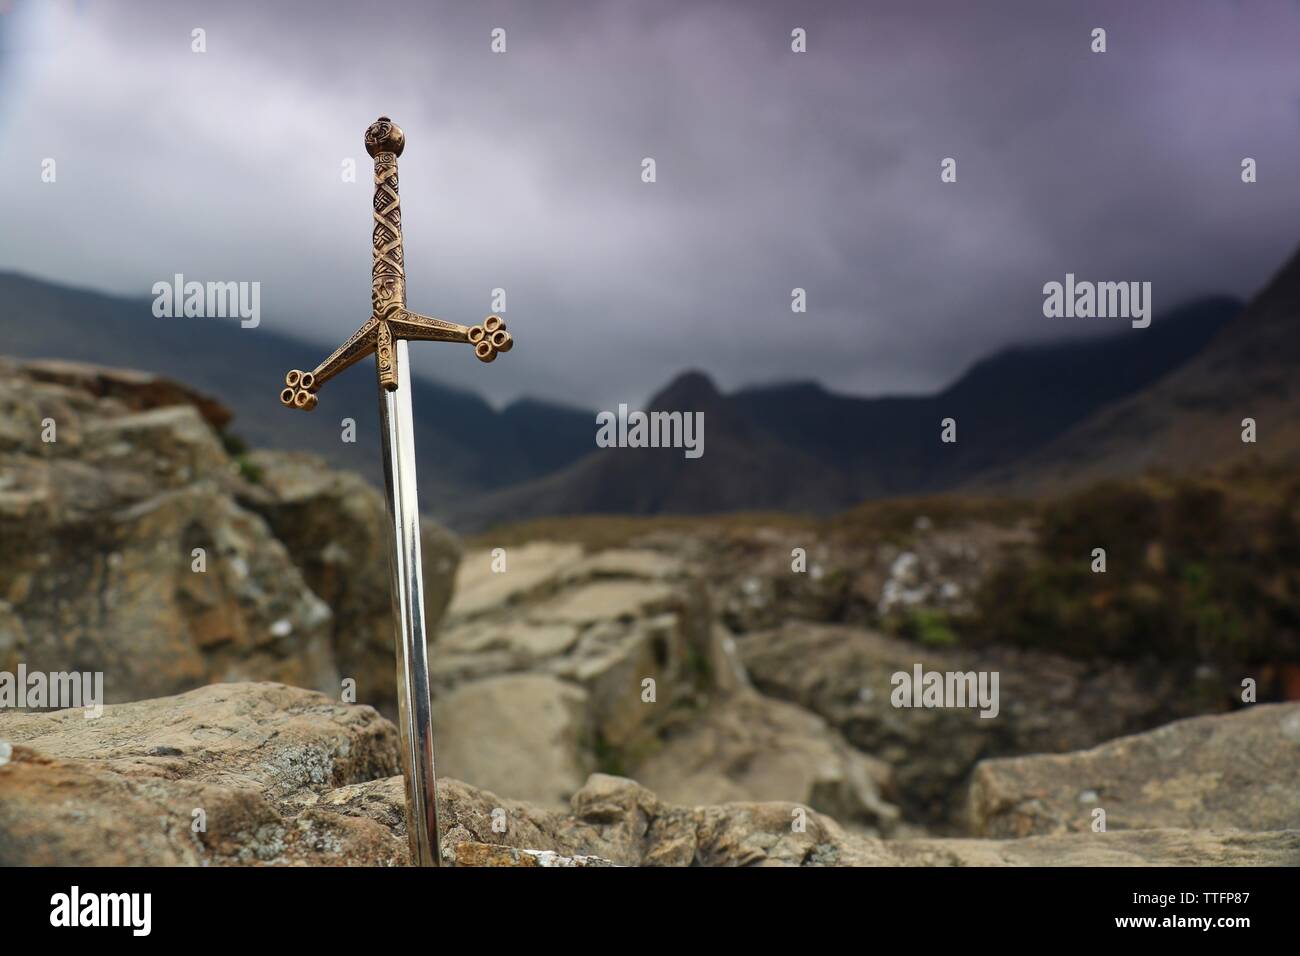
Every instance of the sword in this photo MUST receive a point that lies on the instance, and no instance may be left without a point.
(385, 333)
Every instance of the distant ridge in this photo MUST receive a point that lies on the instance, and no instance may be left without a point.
(1191, 420)
(799, 447)
(467, 446)
(1027, 417)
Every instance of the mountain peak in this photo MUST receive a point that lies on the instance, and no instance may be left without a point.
(692, 390)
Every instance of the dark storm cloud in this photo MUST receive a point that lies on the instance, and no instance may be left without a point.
(776, 170)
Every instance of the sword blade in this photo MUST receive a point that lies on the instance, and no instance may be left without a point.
(414, 712)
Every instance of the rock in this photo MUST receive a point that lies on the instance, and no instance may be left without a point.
(485, 854)
(1165, 847)
(131, 544)
(529, 568)
(122, 550)
(747, 747)
(522, 734)
(1047, 704)
(138, 391)
(629, 633)
(116, 591)
(276, 738)
(1235, 771)
(334, 525)
(288, 777)
(603, 624)
(191, 779)
(856, 576)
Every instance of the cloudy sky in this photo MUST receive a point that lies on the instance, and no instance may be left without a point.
(775, 170)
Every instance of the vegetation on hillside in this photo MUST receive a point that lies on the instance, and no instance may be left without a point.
(1197, 569)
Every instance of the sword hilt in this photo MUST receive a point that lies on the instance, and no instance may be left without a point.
(390, 322)
(385, 142)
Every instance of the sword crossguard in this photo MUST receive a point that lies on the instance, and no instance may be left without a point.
(389, 320)
(299, 390)
(490, 338)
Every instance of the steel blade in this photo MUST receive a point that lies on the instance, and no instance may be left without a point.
(414, 711)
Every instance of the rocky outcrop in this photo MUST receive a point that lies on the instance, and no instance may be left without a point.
(136, 543)
(188, 780)
(123, 552)
(334, 525)
(874, 574)
(262, 774)
(137, 391)
(1045, 704)
(1239, 770)
(554, 662)
(521, 734)
(745, 746)
(562, 661)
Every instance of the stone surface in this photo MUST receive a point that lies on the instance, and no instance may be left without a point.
(860, 577)
(334, 526)
(487, 854)
(136, 390)
(1239, 770)
(277, 739)
(288, 777)
(529, 569)
(1046, 704)
(132, 786)
(131, 544)
(602, 625)
(522, 734)
(747, 747)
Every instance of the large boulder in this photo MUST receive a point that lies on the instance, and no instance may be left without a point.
(863, 568)
(185, 780)
(745, 747)
(1045, 704)
(1238, 770)
(334, 525)
(612, 644)
(122, 551)
(262, 774)
(138, 541)
(522, 734)
(555, 661)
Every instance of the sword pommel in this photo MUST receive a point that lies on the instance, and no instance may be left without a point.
(385, 136)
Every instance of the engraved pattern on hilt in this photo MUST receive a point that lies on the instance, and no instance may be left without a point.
(390, 320)
(387, 277)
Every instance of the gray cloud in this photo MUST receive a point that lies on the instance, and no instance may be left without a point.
(776, 170)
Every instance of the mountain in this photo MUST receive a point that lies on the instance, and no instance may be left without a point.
(742, 467)
(1191, 420)
(466, 445)
(1024, 416)
(799, 447)
(1005, 406)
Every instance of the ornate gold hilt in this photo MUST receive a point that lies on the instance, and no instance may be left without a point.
(385, 142)
(390, 320)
